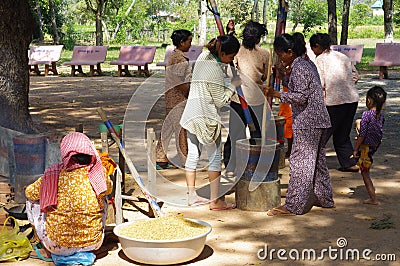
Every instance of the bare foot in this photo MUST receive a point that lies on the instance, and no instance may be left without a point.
(279, 211)
(221, 205)
(371, 202)
(196, 200)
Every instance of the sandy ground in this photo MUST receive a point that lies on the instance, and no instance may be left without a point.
(58, 104)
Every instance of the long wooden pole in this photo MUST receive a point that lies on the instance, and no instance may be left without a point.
(243, 103)
(266, 102)
(152, 201)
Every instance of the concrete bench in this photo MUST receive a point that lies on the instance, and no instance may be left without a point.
(168, 50)
(140, 56)
(92, 56)
(192, 54)
(386, 54)
(47, 55)
(354, 52)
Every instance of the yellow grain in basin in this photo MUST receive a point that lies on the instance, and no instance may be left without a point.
(163, 228)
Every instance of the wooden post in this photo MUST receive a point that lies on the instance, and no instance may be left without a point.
(104, 141)
(151, 162)
(266, 102)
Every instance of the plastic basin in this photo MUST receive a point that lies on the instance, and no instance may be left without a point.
(162, 252)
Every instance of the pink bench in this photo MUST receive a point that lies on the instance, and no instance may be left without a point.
(386, 54)
(47, 55)
(354, 52)
(168, 51)
(92, 56)
(140, 56)
(192, 54)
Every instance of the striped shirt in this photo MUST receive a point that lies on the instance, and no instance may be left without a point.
(208, 93)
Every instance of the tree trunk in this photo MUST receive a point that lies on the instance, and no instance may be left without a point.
(265, 22)
(254, 11)
(121, 23)
(332, 21)
(56, 37)
(99, 26)
(202, 22)
(98, 12)
(295, 8)
(40, 21)
(15, 37)
(388, 19)
(345, 22)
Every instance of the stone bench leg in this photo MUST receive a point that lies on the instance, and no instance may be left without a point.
(35, 69)
(52, 69)
(383, 72)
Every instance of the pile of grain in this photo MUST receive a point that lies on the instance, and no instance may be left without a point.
(163, 228)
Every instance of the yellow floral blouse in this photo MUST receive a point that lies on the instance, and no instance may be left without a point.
(77, 220)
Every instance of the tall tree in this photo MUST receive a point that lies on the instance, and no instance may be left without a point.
(265, 15)
(345, 22)
(202, 22)
(121, 23)
(296, 8)
(388, 19)
(56, 36)
(98, 9)
(254, 11)
(332, 20)
(40, 21)
(15, 37)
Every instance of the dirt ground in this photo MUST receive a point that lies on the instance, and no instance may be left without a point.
(59, 104)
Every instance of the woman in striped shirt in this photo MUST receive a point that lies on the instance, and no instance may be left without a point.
(208, 94)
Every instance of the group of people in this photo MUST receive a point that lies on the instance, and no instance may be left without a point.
(68, 205)
(321, 98)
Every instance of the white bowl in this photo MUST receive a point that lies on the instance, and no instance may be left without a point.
(162, 252)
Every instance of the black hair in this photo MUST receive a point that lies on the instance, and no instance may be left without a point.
(227, 43)
(180, 35)
(83, 159)
(299, 37)
(230, 30)
(284, 42)
(378, 96)
(322, 39)
(252, 33)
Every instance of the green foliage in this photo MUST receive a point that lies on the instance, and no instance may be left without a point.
(313, 13)
(240, 11)
(360, 15)
(43, 5)
(396, 12)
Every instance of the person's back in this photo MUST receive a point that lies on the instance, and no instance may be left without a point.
(77, 219)
(253, 67)
(67, 205)
(336, 77)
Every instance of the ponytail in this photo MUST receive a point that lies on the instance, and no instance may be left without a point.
(378, 96)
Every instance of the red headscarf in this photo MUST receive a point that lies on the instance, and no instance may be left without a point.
(73, 143)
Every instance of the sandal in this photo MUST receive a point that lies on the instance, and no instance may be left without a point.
(165, 166)
(37, 249)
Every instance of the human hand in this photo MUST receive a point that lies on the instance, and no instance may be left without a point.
(270, 92)
(236, 81)
(355, 154)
